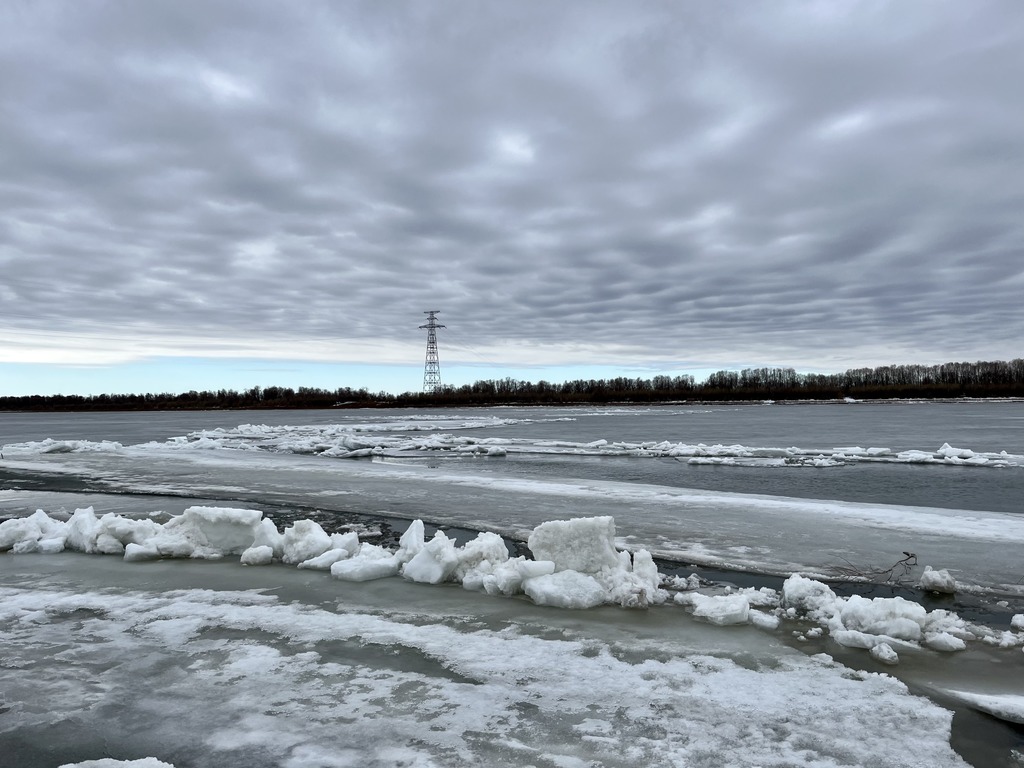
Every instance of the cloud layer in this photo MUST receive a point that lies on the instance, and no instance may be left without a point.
(823, 185)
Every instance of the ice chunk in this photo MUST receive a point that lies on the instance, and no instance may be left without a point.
(434, 563)
(49, 546)
(565, 589)
(890, 616)
(585, 544)
(809, 598)
(324, 561)
(127, 530)
(347, 541)
(83, 528)
(1017, 622)
(200, 532)
(23, 534)
(486, 547)
(411, 541)
(261, 555)
(763, 620)
(629, 589)
(139, 552)
(506, 577)
(1005, 706)
(110, 545)
(884, 653)
(370, 562)
(937, 581)
(950, 452)
(645, 568)
(267, 535)
(304, 540)
(717, 609)
(943, 641)
(365, 569)
(860, 622)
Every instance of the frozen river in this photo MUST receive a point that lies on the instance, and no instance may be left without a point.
(392, 673)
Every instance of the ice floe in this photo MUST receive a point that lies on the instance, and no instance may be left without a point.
(445, 435)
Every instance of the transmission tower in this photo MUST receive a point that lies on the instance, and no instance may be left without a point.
(432, 368)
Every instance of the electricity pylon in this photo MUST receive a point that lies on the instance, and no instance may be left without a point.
(432, 368)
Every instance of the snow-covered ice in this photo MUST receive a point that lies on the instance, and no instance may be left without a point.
(283, 672)
(448, 435)
(340, 651)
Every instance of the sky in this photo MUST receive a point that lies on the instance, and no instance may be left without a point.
(200, 194)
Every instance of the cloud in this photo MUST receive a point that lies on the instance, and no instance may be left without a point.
(819, 185)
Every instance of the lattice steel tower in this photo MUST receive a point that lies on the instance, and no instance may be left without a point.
(432, 368)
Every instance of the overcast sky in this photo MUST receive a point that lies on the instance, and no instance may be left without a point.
(206, 194)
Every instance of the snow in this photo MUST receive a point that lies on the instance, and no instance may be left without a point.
(244, 677)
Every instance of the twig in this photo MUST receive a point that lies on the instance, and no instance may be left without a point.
(894, 574)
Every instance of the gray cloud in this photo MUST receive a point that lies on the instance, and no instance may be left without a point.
(823, 185)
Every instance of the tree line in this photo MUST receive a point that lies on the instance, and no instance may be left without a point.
(948, 380)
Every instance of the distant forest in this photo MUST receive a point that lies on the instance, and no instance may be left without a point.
(949, 380)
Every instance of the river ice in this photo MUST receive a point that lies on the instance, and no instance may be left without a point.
(438, 652)
(231, 668)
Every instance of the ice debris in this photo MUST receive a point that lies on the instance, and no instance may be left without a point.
(869, 623)
(937, 581)
(575, 565)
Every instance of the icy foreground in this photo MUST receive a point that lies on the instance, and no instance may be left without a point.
(295, 682)
(187, 670)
